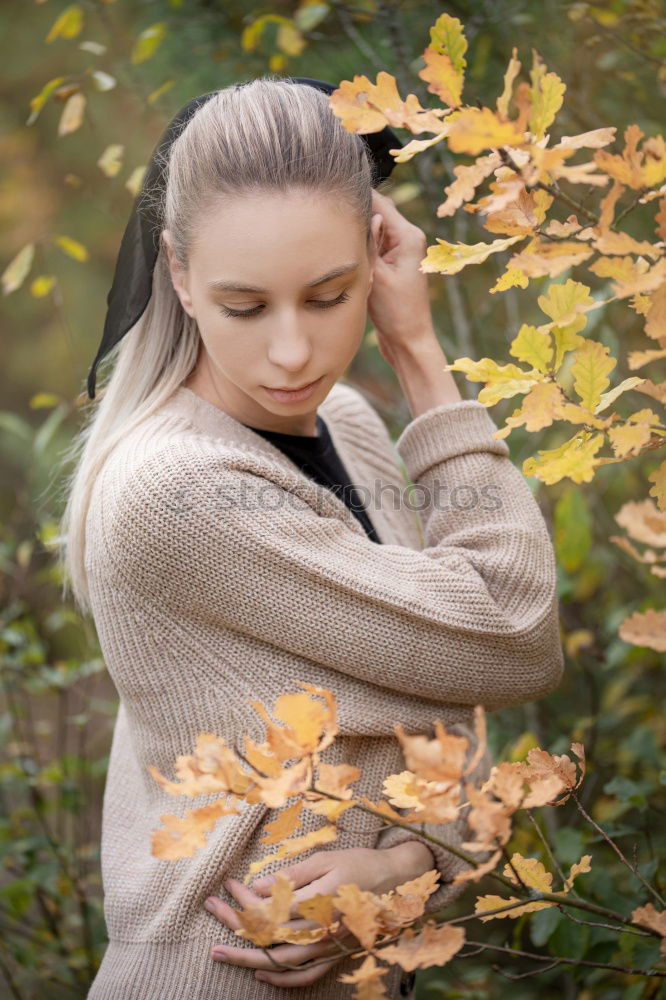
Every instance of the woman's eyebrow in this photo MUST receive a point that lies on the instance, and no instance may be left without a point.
(233, 286)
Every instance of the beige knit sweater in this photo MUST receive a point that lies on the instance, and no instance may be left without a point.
(220, 573)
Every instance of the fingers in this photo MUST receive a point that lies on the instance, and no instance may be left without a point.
(300, 874)
(287, 954)
(304, 978)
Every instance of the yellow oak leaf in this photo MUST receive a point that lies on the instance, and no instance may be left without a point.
(496, 376)
(486, 903)
(611, 243)
(590, 369)
(631, 437)
(658, 491)
(530, 872)
(541, 257)
(542, 404)
(513, 277)
(450, 258)
(533, 347)
(476, 874)
(442, 77)
(579, 868)
(632, 167)
(609, 397)
(629, 276)
(447, 35)
(475, 129)
(467, 179)
(512, 72)
(293, 846)
(655, 317)
(566, 303)
(546, 93)
(488, 819)
(636, 359)
(574, 458)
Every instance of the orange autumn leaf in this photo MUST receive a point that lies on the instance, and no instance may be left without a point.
(655, 919)
(438, 759)
(406, 903)
(363, 106)
(181, 837)
(366, 977)
(274, 792)
(293, 846)
(645, 628)
(474, 130)
(311, 725)
(360, 911)
(318, 908)
(260, 922)
(431, 946)
(532, 874)
(284, 824)
(213, 767)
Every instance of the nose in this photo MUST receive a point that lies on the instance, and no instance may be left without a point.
(290, 346)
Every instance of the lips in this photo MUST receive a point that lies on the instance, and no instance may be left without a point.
(298, 388)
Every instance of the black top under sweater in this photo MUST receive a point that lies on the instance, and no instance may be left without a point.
(318, 459)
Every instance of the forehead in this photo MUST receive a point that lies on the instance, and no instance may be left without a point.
(291, 234)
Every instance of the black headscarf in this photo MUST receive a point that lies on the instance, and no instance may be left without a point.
(133, 278)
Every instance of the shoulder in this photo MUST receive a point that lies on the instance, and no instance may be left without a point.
(154, 466)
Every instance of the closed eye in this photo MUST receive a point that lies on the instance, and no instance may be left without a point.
(317, 303)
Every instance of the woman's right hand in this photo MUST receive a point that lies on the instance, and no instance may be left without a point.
(398, 303)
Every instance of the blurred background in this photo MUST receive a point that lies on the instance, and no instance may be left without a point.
(86, 90)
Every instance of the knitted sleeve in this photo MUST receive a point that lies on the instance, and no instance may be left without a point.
(471, 618)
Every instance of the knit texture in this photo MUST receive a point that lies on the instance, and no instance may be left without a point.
(220, 573)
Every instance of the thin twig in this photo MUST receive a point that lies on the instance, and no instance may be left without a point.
(570, 961)
(553, 860)
(611, 843)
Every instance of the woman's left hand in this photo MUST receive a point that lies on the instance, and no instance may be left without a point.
(376, 870)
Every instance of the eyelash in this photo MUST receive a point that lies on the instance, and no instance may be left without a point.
(254, 312)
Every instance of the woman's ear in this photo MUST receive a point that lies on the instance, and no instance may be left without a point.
(179, 277)
(376, 234)
(377, 230)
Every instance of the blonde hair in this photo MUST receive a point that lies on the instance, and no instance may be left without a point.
(264, 135)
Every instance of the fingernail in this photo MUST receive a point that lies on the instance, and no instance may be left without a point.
(210, 904)
(220, 953)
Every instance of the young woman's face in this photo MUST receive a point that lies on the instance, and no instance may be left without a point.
(278, 285)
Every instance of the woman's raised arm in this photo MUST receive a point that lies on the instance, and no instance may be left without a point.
(471, 618)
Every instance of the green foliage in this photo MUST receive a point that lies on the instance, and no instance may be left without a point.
(135, 64)
(54, 749)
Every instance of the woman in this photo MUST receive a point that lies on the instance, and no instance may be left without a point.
(214, 532)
